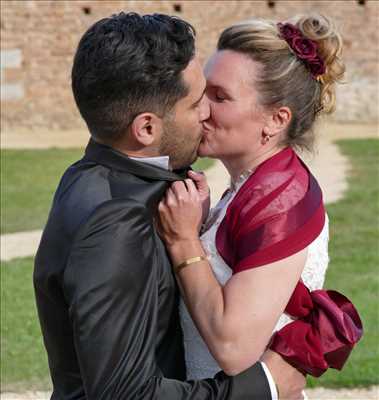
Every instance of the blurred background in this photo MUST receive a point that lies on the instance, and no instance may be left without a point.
(39, 39)
(42, 133)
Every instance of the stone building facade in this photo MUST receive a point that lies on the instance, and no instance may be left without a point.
(39, 38)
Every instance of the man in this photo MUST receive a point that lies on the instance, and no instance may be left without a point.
(106, 296)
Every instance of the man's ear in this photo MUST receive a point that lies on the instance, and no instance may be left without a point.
(146, 129)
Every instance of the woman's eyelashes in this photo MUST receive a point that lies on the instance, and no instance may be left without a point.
(216, 95)
(220, 97)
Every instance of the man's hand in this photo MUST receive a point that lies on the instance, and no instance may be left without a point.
(288, 379)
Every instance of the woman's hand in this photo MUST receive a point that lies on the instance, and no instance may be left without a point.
(203, 190)
(180, 213)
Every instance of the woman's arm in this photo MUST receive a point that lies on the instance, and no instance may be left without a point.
(237, 320)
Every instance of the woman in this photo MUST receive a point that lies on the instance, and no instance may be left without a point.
(263, 248)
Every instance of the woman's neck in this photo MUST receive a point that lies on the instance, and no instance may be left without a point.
(240, 165)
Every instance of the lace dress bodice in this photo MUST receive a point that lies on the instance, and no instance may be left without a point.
(199, 362)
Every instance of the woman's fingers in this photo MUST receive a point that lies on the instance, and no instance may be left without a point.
(180, 212)
(192, 189)
(171, 197)
(161, 205)
(179, 189)
(184, 190)
(199, 178)
(201, 183)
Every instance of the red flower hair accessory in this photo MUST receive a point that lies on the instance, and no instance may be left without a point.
(304, 48)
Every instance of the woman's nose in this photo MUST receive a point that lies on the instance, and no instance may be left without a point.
(204, 109)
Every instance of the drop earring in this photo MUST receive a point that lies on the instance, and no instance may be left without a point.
(266, 138)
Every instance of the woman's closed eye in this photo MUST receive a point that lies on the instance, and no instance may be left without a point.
(220, 97)
(216, 94)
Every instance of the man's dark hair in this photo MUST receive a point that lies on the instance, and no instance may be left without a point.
(128, 64)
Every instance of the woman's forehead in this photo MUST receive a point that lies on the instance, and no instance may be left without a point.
(229, 70)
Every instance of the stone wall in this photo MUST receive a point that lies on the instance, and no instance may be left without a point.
(39, 38)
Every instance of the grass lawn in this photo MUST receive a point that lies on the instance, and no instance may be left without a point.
(353, 270)
(23, 357)
(29, 179)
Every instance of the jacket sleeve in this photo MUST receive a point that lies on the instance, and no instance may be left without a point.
(111, 293)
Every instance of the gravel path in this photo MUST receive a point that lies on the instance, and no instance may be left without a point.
(19, 244)
(342, 394)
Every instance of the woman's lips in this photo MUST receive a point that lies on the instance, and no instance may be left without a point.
(206, 128)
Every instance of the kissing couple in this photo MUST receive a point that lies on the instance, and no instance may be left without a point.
(145, 293)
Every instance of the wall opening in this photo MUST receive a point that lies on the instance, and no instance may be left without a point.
(177, 7)
(271, 4)
(86, 10)
(362, 2)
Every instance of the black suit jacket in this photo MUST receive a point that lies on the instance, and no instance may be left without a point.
(106, 296)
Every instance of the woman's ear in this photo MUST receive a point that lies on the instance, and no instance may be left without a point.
(280, 120)
(146, 129)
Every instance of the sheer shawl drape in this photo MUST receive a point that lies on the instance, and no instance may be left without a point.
(276, 213)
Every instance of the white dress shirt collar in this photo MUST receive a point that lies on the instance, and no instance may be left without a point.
(161, 161)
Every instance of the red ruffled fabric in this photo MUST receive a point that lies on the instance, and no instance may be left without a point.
(325, 333)
(276, 213)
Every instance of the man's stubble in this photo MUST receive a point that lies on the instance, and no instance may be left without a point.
(178, 145)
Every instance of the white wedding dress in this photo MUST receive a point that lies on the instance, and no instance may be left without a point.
(199, 362)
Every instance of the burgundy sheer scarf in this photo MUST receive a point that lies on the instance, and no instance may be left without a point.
(275, 214)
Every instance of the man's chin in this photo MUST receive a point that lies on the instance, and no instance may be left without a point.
(195, 159)
(184, 163)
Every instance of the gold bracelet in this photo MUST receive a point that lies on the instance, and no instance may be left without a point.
(189, 261)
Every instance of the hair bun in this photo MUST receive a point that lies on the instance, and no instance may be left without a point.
(323, 31)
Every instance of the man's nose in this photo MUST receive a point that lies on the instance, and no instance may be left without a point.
(204, 109)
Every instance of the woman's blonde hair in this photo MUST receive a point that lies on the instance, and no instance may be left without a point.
(284, 79)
